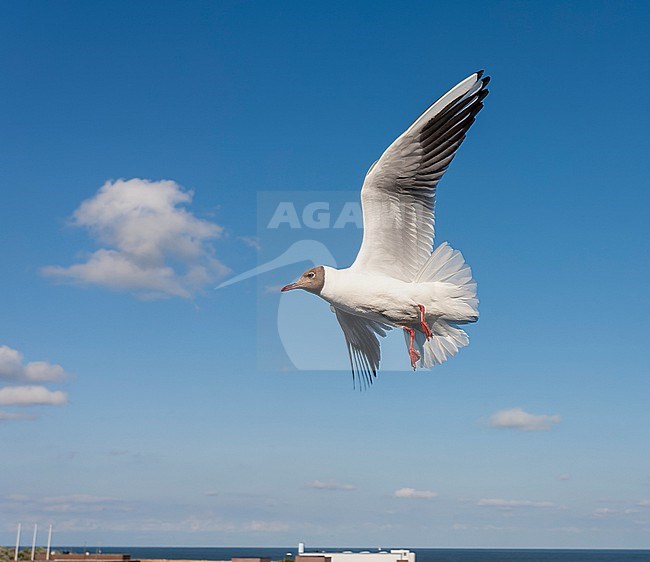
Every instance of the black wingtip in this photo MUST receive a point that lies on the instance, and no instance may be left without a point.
(486, 81)
(479, 73)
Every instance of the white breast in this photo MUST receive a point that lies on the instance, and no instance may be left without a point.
(386, 299)
(377, 297)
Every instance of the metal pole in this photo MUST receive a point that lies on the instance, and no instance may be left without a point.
(49, 543)
(17, 541)
(34, 540)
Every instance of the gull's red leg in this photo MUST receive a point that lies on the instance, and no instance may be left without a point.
(423, 323)
(414, 354)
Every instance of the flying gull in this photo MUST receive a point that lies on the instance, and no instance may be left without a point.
(398, 280)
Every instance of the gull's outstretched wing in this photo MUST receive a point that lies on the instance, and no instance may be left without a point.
(399, 190)
(363, 345)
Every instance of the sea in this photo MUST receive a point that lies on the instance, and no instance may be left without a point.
(422, 554)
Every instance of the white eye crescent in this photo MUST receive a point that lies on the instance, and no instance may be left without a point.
(311, 275)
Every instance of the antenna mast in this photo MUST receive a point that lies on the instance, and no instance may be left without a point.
(17, 542)
(49, 543)
(34, 540)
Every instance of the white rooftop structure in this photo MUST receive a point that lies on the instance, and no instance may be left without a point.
(394, 555)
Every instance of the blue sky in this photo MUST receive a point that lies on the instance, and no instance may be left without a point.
(138, 406)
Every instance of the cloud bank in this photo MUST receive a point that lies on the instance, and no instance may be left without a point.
(73, 503)
(31, 396)
(152, 246)
(330, 485)
(8, 416)
(415, 494)
(508, 504)
(516, 418)
(13, 369)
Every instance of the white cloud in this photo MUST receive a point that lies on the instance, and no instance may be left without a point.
(79, 503)
(508, 504)
(31, 396)
(7, 416)
(76, 498)
(194, 523)
(153, 247)
(12, 368)
(190, 524)
(413, 493)
(252, 242)
(73, 503)
(644, 503)
(602, 512)
(330, 485)
(499, 528)
(516, 418)
(266, 526)
(568, 529)
(564, 477)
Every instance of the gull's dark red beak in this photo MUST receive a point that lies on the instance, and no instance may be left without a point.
(289, 287)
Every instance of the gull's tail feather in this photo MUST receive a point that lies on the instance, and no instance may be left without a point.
(446, 341)
(447, 266)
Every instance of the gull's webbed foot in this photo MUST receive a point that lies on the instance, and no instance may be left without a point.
(414, 354)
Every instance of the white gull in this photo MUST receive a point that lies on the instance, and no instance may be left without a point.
(396, 279)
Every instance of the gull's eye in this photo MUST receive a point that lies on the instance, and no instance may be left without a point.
(311, 275)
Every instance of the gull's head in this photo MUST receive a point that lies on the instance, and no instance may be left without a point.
(311, 280)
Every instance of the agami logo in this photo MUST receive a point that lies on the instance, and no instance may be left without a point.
(315, 215)
(297, 231)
